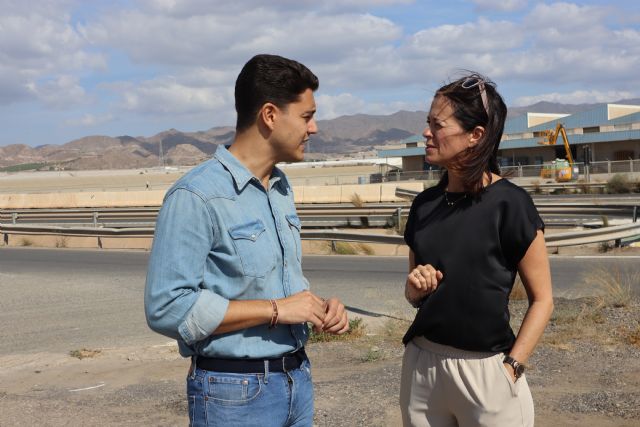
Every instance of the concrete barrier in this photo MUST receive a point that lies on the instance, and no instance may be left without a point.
(388, 190)
(107, 199)
(321, 194)
(369, 193)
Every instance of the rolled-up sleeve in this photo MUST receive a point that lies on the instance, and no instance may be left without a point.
(177, 302)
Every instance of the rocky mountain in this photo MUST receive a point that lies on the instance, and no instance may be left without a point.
(342, 135)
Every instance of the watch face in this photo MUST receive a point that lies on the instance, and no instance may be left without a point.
(519, 370)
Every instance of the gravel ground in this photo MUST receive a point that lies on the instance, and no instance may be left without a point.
(585, 372)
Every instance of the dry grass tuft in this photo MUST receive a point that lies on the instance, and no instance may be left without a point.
(633, 337)
(614, 284)
(62, 241)
(356, 200)
(356, 330)
(84, 353)
(365, 249)
(347, 248)
(26, 242)
(590, 321)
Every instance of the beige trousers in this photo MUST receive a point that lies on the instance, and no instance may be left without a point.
(443, 386)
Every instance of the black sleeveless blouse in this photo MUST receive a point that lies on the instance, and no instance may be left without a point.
(477, 243)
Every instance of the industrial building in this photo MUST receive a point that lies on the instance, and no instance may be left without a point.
(609, 132)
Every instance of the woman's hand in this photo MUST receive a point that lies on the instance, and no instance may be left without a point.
(421, 281)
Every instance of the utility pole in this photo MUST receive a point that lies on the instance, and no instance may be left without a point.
(161, 154)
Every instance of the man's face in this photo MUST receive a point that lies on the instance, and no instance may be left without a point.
(294, 126)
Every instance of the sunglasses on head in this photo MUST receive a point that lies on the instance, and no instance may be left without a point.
(472, 82)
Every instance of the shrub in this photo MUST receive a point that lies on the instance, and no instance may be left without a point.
(356, 330)
(345, 248)
(61, 242)
(365, 249)
(615, 285)
(84, 353)
(26, 242)
(356, 200)
(620, 184)
(604, 247)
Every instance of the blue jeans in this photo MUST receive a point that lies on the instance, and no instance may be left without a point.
(267, 399)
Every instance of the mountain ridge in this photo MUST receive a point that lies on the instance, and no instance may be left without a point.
(342, 135)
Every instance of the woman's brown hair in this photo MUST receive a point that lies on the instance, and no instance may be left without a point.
(476, 102)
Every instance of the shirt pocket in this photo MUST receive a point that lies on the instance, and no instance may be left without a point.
(295, 225)
(253, 247)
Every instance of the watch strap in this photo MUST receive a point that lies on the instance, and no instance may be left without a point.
(518, 368)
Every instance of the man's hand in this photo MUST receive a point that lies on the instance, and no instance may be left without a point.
(335, 320)
(302, 307)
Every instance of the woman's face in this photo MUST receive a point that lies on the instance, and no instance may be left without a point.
(445, 137)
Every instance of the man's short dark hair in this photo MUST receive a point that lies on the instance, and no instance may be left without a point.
(269, 78)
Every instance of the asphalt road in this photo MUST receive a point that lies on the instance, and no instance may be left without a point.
(62, 300)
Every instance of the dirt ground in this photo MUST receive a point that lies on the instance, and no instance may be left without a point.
(585, 372)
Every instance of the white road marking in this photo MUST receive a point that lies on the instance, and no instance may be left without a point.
(597, 256)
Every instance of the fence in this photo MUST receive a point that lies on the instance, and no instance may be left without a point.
(520, 171)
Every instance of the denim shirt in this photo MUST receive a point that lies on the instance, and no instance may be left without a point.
(221, 236)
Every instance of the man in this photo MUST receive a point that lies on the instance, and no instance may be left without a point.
(225, 277)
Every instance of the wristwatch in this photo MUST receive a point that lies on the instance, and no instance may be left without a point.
(518, 368)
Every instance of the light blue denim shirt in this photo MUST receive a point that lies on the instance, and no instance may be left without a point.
(221, 236)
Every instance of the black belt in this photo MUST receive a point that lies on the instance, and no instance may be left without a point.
(284, 363)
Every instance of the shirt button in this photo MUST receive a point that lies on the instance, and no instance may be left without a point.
(253, 237)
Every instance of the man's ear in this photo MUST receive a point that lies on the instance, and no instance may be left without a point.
(475, 136)
(268, 115)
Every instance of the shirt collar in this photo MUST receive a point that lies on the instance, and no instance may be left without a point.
(240, 174)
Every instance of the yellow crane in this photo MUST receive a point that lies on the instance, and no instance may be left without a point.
(558, 169)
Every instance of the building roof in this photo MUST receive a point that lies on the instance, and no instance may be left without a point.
(596, 117)
(518, 127)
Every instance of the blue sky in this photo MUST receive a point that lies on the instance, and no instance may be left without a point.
(71, 68)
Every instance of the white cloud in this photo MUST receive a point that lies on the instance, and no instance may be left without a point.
(183, 8)
(500, 5)
(221, 40)
(577, 97)
(168, 96)
(37, 41)
(332, 106)
(61, 92)
(477, 37)
(178, 59)
(88, 120)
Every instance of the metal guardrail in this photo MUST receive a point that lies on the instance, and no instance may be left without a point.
(604, 234)
(330, 216)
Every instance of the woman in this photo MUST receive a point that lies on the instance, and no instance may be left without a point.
(469, 236)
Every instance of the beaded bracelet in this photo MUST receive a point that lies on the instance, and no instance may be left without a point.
(274, 315)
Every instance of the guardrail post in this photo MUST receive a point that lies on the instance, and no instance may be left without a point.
(519, 171)
(631, 165)
(609, 166)
(6, 239)
(95, 219)
(14, 217)
(635, 213)
(398, 217)
(586, 173)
